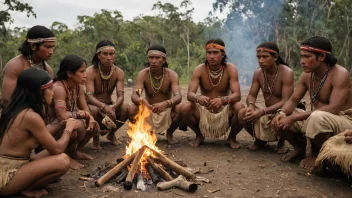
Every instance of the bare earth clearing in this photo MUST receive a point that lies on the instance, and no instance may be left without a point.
(237, 173)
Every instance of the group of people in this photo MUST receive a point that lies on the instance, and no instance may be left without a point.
(57, 115)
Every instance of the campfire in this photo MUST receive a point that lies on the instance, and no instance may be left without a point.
(144, 161)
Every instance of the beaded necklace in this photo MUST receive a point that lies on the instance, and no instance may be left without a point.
(105, 80)
(71, 95)
(213, 75)
(267, 87)
(313, 94)
(156, 82)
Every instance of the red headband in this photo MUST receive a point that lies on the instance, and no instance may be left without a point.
(47, 85)
(313, 49)
(214, 45)
(266, 50)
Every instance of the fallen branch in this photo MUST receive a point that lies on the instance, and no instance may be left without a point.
(128, 182)
(102, 180)
(153, 175)
(179, 182)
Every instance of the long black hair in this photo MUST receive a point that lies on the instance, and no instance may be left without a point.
(158, 48)
(70, 63)
(35, 32)
(219, 42)
(273, 46)
(95, 60)
(324, 44)
(27, 95)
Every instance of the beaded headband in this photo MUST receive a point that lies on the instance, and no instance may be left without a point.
(41, 40)
(47, 85)
(214, 45)
(156, 52)
(105, 47)
(261, 49)
(313, 49)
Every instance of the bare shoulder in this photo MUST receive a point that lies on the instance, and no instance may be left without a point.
(257, 72)
(91, 69)
(286, 71)
(231, 67)
(341, 72)
(119, 70)
(15, 65)
(58, 88)
(29, 116)
(198, 69)
(171, 73)
(143, 72)
(49, 70)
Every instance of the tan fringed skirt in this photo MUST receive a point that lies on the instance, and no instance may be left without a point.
(9, 167)
(160, 122)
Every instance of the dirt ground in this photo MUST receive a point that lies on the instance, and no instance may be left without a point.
(237, 173)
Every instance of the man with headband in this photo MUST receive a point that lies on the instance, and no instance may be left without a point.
(162, 93)
(103, 77)
(328, 85)
(275, 79)
(35, 51)
(211, 113)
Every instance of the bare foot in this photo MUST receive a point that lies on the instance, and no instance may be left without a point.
(233, 144)
(170, 140)
(308, 162)
(96, 143)
(34, 193)
(74, 165)
(81, 156)
(198, 141)
(254, 147)
(282, 150)
(296, 153)
(112, 138)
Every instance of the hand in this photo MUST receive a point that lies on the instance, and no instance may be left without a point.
(285, 123)
(203, 100)
(146, 103)
(214, 104)
(276, 120)
(253, 116)
(159, 107)
(110, 111)
(348, 136)
(92, 124)
(72, 124)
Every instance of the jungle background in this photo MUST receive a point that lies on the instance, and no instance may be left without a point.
(248, 23)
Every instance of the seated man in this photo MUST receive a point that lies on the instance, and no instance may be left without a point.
(214, 111)
(275, 79)
(162, 93)
(103, 77)
(331, 102)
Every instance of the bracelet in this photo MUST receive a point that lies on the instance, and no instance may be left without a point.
(171, 103)
(68, 131)
(102, 106)
(279, 111)
(89, 93)
(168, 103)
(264, 111)
(251, 103)
(74, 114)
(197, 98)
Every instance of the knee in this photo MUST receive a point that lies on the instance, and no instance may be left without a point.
(316, 116)
(186, 108)
(241, 114)
(125, 110)
(63, 162)
(238, 106)
(133, 110)
(94, 110)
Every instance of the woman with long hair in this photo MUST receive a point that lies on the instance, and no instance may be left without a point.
(70, 102)
(22, 129)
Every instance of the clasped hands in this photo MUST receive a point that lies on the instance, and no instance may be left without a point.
(213, 105)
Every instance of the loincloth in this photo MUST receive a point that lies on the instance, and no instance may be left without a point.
(262, 128)
(336, 151)
(324, 122)
(9, 167)
(160, 122)
(213, 125)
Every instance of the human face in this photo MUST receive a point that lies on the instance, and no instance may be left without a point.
(214, 57)
(266, 60)
(309, 61)
(45, 51)
(156, 61)
(107, 56)
(80, 76)
(48, 95)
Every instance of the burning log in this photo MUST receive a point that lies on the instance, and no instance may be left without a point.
(128, 182)
(122, 176)
(179, 182)
(153, 175)
(172, 165)
(102, 180)
(165, 175)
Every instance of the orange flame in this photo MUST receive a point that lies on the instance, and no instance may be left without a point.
(141, 134)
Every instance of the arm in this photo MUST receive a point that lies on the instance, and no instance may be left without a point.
(59, 100)
(255, 87)
(119, 89)
(193, 85)
(42, 135)
(49, 70)
(136, 98)
(11, 73)
(235, 95)
(175, 88)
(90, 88)
(286, 92)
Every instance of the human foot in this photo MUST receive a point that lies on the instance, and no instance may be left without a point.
(296, 153)
(74, 165)
(170, 140)
(198, 141)
(233, 144)
(308, 162)
(34, 193)
(96, 143)
(282, 150)
(112, 138)
(81, 156)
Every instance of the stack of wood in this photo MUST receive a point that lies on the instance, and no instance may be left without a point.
(156, 168)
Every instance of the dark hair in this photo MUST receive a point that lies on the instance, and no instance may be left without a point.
(219, 42)
(35, 32)
(27, 95)
(70, 63)
(158, 48)
(324, 44)
(95, 60)
(274, 47)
